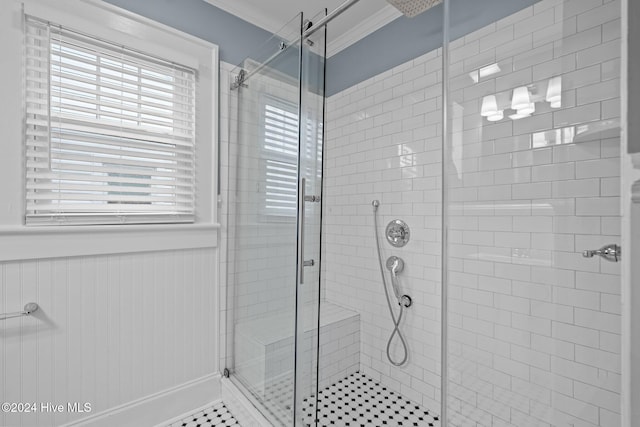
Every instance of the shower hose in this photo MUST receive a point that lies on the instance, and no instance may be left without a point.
(396, 321)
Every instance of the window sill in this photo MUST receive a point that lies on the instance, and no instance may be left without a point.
(23, 243)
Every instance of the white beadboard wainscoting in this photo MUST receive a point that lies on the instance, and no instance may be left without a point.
(116, 331)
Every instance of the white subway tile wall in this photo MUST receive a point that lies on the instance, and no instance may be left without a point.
(534, 326)
(383, 142)
(534, 332)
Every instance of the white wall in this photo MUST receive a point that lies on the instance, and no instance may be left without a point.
(383, 142)
(534, 327)
(223, 204)
(111, 329)
(128, 314)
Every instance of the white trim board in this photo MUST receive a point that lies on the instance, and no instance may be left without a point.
(241, 408)
(158, 407)
(124, 27)
(23, 243)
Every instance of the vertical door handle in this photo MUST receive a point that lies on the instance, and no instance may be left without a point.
(301, 211)
(302, 263)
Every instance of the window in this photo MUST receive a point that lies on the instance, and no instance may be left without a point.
(109, 132)
(280, 155)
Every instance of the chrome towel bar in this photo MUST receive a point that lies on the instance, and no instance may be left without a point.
(29, 308)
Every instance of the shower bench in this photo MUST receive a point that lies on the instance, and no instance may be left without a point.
(264, 351)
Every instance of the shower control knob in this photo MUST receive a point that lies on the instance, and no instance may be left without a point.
(397, 233)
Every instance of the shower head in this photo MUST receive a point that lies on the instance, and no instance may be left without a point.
(411, 8)
(375, 204)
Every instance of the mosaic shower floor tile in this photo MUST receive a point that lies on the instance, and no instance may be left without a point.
(217, 415)
(360, 401)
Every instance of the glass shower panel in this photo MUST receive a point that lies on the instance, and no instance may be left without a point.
(532, 181)
(262, 282)
(310, 168)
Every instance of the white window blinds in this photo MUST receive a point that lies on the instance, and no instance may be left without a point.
(110, 132)
(280, 154)
(280, 158)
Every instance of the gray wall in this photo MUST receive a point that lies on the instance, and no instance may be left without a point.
(408, 38)
(398, 42)
(236, 38)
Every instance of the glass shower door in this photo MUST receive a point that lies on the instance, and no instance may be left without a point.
(532, 181)
(275, 172)
(309, 234)
(261, 289)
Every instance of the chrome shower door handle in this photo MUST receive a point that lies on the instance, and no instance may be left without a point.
(611, 252)
(301, 201)
(302, 263)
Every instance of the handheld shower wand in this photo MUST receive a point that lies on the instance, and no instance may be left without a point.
(395, 265)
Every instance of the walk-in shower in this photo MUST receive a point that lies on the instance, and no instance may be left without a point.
(493, 130)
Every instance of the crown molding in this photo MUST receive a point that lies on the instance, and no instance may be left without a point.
(363, 29)
(250, 14)
(247, 13)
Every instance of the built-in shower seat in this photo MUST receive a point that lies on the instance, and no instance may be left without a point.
(264, 350)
